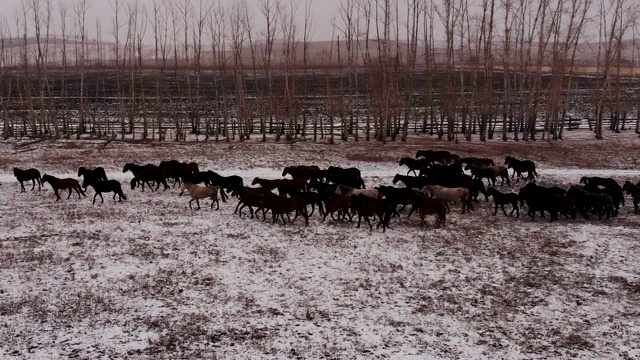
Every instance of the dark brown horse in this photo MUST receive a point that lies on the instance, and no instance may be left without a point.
(147, 175)
(521, 166)
(284, 186)
(63, 184)
(427, 206)
(634, 191)
(26, 175)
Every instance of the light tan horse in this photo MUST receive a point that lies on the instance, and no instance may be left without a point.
(202, 192)
(450, 194)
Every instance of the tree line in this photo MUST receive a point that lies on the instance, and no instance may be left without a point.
(458, 69)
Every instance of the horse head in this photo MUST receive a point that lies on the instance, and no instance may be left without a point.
(287, 170)
(256, 181)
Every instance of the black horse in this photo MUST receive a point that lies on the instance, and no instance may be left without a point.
(92, 174)
(104, 186)
(502, 199)
(26, 175)
(350, 177)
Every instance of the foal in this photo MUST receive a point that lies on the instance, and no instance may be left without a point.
(502, 199)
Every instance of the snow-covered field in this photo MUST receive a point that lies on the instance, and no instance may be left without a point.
(149, 278)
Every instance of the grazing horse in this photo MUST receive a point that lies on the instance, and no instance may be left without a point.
(346, 190)
(92, 174)
(450, 194)
(414, 164)
(302, 172)
(520, 166)
(201, 192)
(345, 176)
(136, 169)
(104, 186)
(147, 175)
(503, 199)
(634, 191)
(26, 175)
(63, 184)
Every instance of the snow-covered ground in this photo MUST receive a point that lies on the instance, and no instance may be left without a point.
(149, 278)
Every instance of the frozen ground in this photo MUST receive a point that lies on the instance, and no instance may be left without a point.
(148, 278)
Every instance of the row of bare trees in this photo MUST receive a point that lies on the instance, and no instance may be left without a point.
(211, 70)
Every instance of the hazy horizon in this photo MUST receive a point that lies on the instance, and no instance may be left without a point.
(325, 13)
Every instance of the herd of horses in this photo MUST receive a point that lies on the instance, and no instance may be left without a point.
(440, 178)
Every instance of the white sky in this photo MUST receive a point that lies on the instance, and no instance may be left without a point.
(324, 13)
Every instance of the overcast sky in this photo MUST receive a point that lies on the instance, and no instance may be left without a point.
(324, 13)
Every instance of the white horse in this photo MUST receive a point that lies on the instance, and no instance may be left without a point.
(449, 194)
(202, 192)
(346, 190)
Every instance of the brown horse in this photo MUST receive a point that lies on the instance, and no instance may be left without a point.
(634, 191)
(147, 175)
(521, 166)
(427, 206)
(336, 203)
(63, 184)
(26, 175)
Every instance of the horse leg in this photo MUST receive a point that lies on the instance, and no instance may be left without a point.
(22, 189)
(369, 222)
(411, 211)
(190, 204)
(495, 210)
(359, 218)
(503, 210)
(33, 181)
(94, 199)
(70, 194)
(198, 202)
(55, 190)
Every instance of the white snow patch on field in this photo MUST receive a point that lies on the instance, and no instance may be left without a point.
(149, 278)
